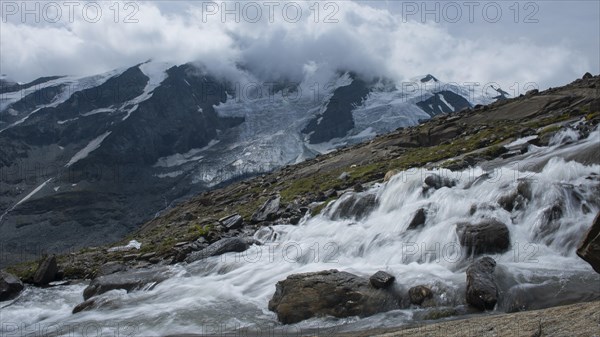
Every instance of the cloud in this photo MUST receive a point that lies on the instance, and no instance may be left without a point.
(370, 41)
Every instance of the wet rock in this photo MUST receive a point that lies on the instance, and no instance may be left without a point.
(418, 219)
(381, 280)
(96, 303)
(482, 291)
(46, 271)
(328, 293)
(227, 245)
(517, 199)
(233, 221)
(489, 236)
(353, 205)
(435, 181)
(589, 249)
(127, 280)
(549, 223)
(268, 211)
(10, 286)
(417, 295)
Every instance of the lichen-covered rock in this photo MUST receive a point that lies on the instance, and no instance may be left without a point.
(329, 293)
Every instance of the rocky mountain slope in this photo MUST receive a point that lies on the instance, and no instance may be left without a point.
(85, 161)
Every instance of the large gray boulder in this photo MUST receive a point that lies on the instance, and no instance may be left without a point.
(488, 236)
(589, 249)
(223, 246)
(10, 286)
(128, 280)
(329, 293)
(482, 291)
(46, 271)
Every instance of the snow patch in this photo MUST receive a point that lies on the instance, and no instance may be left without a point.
(443, 99)
(92, 146)
(32, 193)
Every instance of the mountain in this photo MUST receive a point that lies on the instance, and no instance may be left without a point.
(84, 161)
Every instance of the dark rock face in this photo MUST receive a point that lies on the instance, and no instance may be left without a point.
(482, 291)
(268, 210)
(435, 105)
(127, 280)
(10, 286)
(437, 182)
(418, 219)
(222, 246)
(419, 294)
(337, 119)
(489, 236)
(115, 187)
(46, 271)
(381, 280)
(589, 249)
(328, 293)
(355, 206)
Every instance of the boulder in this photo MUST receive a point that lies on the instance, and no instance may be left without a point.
(268, 211)
(46, 271)
(354, 206)
(381, 280)
(127, 280)
(418, 219)
(482, 291)
(417, 295)
(227, 245)
(389, 174)
(435, 181)
(10, 286)
(96, 303)
(111, 268)
(233, 221)
(589, 249)
(329, 293)
(489, 236)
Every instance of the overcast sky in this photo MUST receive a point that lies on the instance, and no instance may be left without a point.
(549, 43)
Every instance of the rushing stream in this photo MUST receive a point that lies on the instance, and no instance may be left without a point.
(229, 292)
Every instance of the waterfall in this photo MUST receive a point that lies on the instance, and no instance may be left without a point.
(547, 212)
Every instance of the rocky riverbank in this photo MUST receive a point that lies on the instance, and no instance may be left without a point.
(342, 187)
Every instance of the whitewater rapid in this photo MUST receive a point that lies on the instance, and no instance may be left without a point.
(229, 292)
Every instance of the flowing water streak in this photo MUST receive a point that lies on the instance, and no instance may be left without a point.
(232, 291)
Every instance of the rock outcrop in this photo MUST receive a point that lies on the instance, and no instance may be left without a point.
(329, 293)
(589, 249)
(46, 271)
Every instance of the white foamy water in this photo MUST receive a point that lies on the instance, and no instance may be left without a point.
(232, 291)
